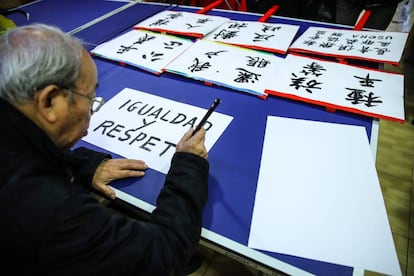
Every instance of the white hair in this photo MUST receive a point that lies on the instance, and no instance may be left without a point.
(34, 56)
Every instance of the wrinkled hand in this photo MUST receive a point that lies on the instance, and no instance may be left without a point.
(193, 144)
(112, 169)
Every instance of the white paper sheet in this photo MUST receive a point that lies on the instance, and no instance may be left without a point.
(227, 65)
(270, 37)
(143, 49)
(318, 197)
(367, 45)
(185, 23)
(369, 92)
(142, 126)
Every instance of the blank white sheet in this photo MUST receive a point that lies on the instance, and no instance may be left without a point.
(318, 197)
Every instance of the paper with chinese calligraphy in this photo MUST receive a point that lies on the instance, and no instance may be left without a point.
(367, 45)
(148, 51)
(269, 37)
(344, 87)
(182, 23)
(318, 197)
(227, 65)
(142, 126)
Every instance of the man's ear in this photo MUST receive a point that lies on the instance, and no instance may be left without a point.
(48, 102)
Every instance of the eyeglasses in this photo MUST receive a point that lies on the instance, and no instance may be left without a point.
(96, 102)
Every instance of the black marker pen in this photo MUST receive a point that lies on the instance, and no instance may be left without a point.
(209, 112)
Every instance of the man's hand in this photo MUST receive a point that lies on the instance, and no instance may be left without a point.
(193, 143)
(112, 169)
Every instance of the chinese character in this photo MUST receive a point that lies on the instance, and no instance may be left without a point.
(365, 49)
(381, 51)
(160, 22)
(226, 34)
(347, 47)
(326, 45)
(257, 62)
(337, 34)
(260, 37)
(299, 82)
(191, 26)
(351, 41)
(170, 45)
(309, 42)
(174, 15)
(146, 37)
(317, 35)
(357, 96)
(384, 44)
(237, 25)
(124, 49)
(246, 76)
(367, 81)
(368, 42)
(333, 39)
(155, 56)
(197, 66)
(313, 68)
(141, 40)
(270, 28)
(210, 54)
(203, 20)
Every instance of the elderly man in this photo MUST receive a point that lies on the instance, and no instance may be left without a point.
(50, 222)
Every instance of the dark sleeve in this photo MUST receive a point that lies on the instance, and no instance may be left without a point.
(85, 238)
(180, 204)
(85, 170)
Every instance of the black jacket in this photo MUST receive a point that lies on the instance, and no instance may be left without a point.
(50, 224)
